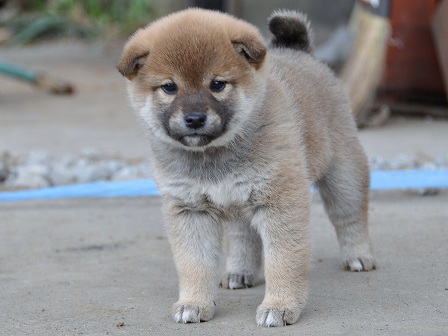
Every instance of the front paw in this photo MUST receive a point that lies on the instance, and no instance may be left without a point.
(190, 313)
(237, 281)
(277, 317)
(362, 262)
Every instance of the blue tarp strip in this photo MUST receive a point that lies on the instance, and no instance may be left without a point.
(380, 180)
(408, 179)
(132, 188)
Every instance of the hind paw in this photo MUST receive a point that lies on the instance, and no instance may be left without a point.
(358, 264)
(237, 281)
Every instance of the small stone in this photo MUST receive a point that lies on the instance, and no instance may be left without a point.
(30, 176)
(428, 166)
(5, 163)
(441, 162)
(403, 162)
(62, 173)
(38, 157)
(126, 173)
(91, 154)
(428, 191)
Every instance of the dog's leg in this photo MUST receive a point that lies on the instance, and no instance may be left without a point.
(195, 238)
(284, 229)
(243, 256)
(345, 192)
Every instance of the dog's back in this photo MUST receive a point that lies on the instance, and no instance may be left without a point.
(317, 95)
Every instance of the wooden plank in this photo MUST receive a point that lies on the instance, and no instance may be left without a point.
(416, 109)
(363, 70)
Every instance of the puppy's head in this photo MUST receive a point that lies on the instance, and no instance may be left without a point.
(195, 77)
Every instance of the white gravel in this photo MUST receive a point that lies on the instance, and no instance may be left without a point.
(39, 169)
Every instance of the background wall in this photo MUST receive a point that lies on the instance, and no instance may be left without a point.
(325, 15)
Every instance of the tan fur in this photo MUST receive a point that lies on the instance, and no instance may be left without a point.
(281, 123)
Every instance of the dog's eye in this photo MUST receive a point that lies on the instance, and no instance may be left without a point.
(217, 85)
(169, 88)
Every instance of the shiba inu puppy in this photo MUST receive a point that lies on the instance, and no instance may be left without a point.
(239, 131)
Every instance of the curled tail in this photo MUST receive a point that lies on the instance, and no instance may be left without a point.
(292, 30)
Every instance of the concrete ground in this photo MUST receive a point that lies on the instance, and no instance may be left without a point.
(104, 266)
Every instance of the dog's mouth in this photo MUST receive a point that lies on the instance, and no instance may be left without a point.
(196, 125)
(197, 136)
(196, 140)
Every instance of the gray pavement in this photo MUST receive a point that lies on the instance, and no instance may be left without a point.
(104, 266)
(84, 267)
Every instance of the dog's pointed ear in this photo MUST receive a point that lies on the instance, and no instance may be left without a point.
(252, 49)
(134, 56)
(131, 63)
(247, 41)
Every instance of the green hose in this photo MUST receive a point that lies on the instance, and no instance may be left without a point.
(17, 72)
(38, 80)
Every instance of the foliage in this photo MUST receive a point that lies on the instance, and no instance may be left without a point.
(103, 16)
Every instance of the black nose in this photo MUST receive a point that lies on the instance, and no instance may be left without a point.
(195, 120)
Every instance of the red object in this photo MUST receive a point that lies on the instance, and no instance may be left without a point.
(412, 71)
